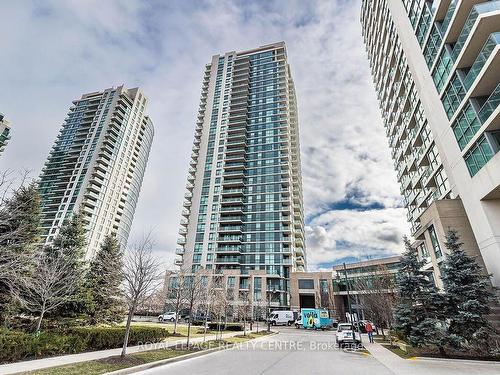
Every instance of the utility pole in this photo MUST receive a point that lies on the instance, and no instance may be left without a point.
(349, 305)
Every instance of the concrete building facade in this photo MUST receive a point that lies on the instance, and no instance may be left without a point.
(4, 132)
(97, 165)
(243, 208)
(322, 289)
(329, 289)
(436, 69)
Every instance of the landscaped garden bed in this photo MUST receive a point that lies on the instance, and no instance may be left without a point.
(101, 366)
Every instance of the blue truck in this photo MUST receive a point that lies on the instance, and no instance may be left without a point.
(316, 319)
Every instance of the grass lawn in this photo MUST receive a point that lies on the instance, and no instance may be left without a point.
(397, 350)
(102, 366)
(182, 329)
(241, 338)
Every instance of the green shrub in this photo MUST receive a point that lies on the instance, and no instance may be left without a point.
(18, 345)
(234, 327)
(228, 327)
(99, 338)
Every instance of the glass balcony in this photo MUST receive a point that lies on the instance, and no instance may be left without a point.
(449, 15)
(475, 12)
(479, 154)
(490, 105)
(489, 46)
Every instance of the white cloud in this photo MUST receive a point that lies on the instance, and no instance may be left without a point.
(64, 49)
(341, 234)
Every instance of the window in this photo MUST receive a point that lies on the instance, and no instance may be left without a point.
(466, 125)
(432, 46)
(442, 69)
(435, 243)
(306, 284)
(478, 155)
(453, 96)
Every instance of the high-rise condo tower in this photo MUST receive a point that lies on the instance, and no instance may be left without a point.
(243, 209)
(436, 69)
(97, 164)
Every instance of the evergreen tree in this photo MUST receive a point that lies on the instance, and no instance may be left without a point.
(103, 281)
(71, 240)
(70, 243)
(20, 218)
(419, 308)
(468, 294)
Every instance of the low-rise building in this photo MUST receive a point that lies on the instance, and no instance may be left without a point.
(328, 289)
(321, 289)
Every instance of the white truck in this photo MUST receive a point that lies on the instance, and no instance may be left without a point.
(284, 317)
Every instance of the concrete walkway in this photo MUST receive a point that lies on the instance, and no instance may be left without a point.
(38, 364)
(429, 366)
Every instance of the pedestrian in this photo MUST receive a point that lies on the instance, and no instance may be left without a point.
(369, 330)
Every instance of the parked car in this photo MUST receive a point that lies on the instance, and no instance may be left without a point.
(298, 322)
(198, 319)
(344, 334)
(167, 317)
(284, 317)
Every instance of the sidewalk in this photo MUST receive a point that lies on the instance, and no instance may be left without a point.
(38, 364)
(429, 366)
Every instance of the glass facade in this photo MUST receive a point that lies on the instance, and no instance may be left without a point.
(250, 215)
(454, 79)
(416, 159)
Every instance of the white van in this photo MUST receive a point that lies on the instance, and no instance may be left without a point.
(284, 317)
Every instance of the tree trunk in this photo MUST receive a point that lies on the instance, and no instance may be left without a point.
(442, 351)
(206, 322)
(177, 303)
(189, 322)
(39, 323)
(244, 326)
(127, 330)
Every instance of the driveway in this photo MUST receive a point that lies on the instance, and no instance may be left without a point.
(293, 351)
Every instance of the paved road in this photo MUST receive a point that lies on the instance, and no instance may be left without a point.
(307, 352)
(291, 352)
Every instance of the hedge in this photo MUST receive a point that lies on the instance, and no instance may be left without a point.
(228, 327)
(17, 345)
(99, 338)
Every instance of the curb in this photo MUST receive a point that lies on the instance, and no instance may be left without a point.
(147, 366)
(471, 361)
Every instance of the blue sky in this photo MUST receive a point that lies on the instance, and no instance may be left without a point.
(54, 51)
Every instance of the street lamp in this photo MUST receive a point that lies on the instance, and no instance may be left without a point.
(349, 303)
(269, 307)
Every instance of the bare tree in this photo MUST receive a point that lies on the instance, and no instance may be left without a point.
(194, 287)
(142, 278)
(177, 293)
(51, 284)
(209, 300)
(259, 308)
(244, 308)
(220, 305)
(377, 298)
